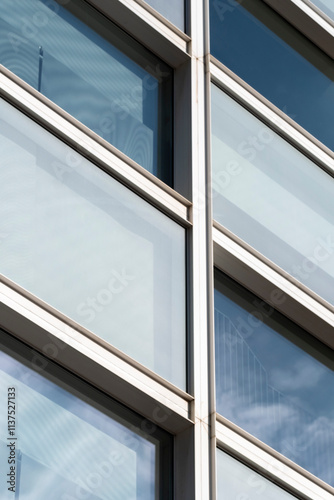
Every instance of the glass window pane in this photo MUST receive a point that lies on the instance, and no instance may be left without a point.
(326, 6)
(273, 379)
(279, 62)
(236, 481)
(272, 196)
(173, 10)
(96, 72)
(70, 442)
(90, 247)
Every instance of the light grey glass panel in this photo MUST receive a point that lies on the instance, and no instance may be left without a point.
(272, 196)
(327, 6)
(173, 10)
(97, 73)
(91, 248)
(273, 379)
(235, 481)
(66, 441)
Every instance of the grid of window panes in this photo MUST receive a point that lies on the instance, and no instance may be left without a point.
(272, 379)
(111, 257)
(55, 411)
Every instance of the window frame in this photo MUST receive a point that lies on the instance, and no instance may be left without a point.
(53, 337)
(256, 273)
(68, 381)
(89, 144)
(175, 48)
(49, 332)
(268, 463)
(149, 27)
(277, 300)
(277, 291)
(72, 132)
(304, 18)
(165, 20)
(319, 11)
(284, 126)
(191, 416)
(308, 19)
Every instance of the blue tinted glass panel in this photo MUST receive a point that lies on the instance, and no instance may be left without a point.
(173, 10)
(90, 247)
(96, 72)
(279, 62)
(235, 481)
(326, 6)
(68, 442)
(272, 196)
(273, 379)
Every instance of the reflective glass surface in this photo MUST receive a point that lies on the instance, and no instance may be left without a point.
(327, 6)
(91, 248)
(279, 62)
(97, 73)
(272, 196)
(235, 481)
(273, 379)
(173, 10)
(67, 441)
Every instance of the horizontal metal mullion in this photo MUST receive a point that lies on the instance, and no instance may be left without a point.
(149, 27)
(270, 463)
(317, 10)
(64, 341)
(89, 144)
(163, 19)
(264, 278)
(309, 20)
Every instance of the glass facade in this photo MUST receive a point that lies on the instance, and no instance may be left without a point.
(136, 372)
(273, 379)
(94, 71)
(236, 481)
(91, 248)
(326, 6)
(50, 458)
(278, 61)
(173, 10)
(272, 196)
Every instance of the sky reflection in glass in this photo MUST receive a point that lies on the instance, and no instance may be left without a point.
(273, 57)
(91, 248)
(235, 481)
(69, 447)
(273, 379)
(95, 72)
(272, 196)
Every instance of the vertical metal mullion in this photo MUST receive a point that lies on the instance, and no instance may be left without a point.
(202, 272)
(210, 258)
